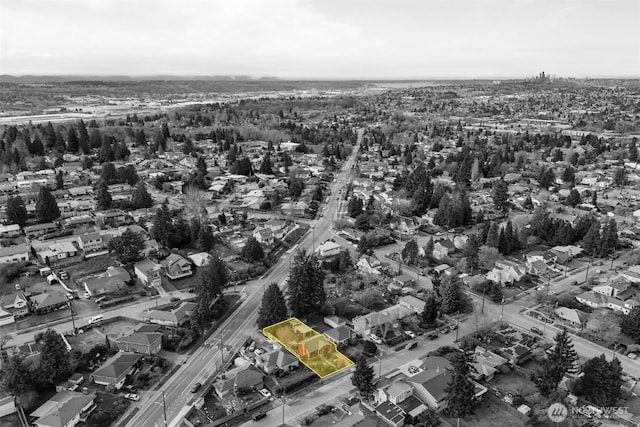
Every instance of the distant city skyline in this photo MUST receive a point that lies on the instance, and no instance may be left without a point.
(318, 39)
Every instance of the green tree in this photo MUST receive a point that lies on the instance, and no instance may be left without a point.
(421, 200)
(109, 173)
(528, 203)
(560, 361)
(573, 199)
(493, 236)
(451, 297)
(273, 308)
(410, 252)
(610, 237)
(17, 375)
(362, 222)
(55, 363)
(46, 206)
(83, 142)
(428, 249)
(211, 280)
(16, 211)
(72, 140)
(630, 324)
(460, 391)
(601, 381)
(569, 175)
(103, 197)
(471, 252)
(162, 224)
(128, 247)
(242, 166)
(252, 250)
(306, 285)
(355, 206)
(363, 378)
(591, 242)
(620, 177)
(128, 175)
(296, 186)
(546, 178)
(501, 195)
(141, 197)
(106, 153)
(266, 167)
(201, 166)
(430, 312)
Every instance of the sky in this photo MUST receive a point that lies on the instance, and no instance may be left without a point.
(321, 39)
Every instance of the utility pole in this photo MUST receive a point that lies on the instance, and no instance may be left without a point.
(502, 309)
(73, 319)
(164, 409)
(222, 344)
(457, 324)
(283, 402)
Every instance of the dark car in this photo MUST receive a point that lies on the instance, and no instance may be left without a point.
(536, 331)
(259, 416)
(196, 387)
(432, 336)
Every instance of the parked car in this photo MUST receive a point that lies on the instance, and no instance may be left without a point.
(259, 416)
(87, 295)
(63, 275)
(536, 331)
(632, 356)
(196, 387)
(132, 396)
(453, 326)
(432, 336)
(411, 346)
(410, 334)
(374, 338)
(265, 392)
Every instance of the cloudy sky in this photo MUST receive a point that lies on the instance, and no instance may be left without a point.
(334, 39)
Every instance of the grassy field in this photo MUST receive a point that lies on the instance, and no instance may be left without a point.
(490, 412)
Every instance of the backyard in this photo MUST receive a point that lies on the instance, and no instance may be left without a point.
(491, 412)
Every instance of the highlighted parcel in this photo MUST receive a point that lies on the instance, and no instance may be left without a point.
(313, 349)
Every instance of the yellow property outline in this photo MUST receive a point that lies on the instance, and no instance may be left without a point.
(313, 349)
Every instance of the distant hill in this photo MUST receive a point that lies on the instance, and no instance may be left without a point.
(7, 78)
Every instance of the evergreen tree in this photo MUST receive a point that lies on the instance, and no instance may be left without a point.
(128, 175)
(55, 363)
(428, 248)
(501, 195)
(109, 174)
(266, 166)
(211, 280)
(630, 324)
(72, 140)
(37, 148)
(128, 247)
(162, 224)
(410, 252)
(59, 181)
(610, 237)
(460, 391)
(46, 206)
(273, 308)
(252, 250)
(430, 312)
(103, 197)
(471, 252)
(594, 198)
(528, 203)
(16, 210)
(201, 166)
(205, 241)
(18, 378)
(493, 236)
(557, 364)
(355, 206)
(141, 197)
(421, 200)
(591, 243)
(95, 139)
(620, 177)
(573, 199)
(106, 153)
(601, 381)
(83, 140)
(450, 291)
(363, 378)
(546, 178)
(306, 285)
(362, 222)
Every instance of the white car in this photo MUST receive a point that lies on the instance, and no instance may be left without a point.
(410, 334)
(132, 396)
(375, 339)
(265, 392)
(87, 295)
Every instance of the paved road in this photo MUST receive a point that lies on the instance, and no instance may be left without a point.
(206, 360)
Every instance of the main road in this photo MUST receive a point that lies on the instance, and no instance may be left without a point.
(206, 361)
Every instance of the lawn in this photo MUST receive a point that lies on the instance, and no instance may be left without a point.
(514, 384)
(90, 266)
(87, 340)
(348, 309)
(180, 284)
(490, 412)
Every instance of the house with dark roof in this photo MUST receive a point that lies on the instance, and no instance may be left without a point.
(241, 380)
(13, 254)
(390, 413)
(89, 242)
(276, 359)
(442, 248)
(341, 335)
(115, 370)
(176, 267)
(264, 236)
(48, 302)
(140, 342)
(64, 409)
(112, 280)
(149, 273)
(315, 346)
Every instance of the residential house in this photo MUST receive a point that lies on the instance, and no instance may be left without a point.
(315, 346)
(37, 230)
(48, 302)
(64, 409)
(506, 271)
(176, 317)
(576, 318)
(13, 254)
(90, 242)
(328, 249)
(141, 342)
(599, 300)
(176, 267)
(115, 370)
(341, 335)
(148, 272)
(276, 359)
(150, 246)
(9, 231)
(200, 259)
(486, 364)
(390, 413)
(6, 318)
(294, 208)
(364, 325)
(566, 253)
(264, 236)
(369, 264)
(442, 248)
(632, 274)
(429, 386)
(277, 227)
(239, 381)
(113, 279)
(415, 304)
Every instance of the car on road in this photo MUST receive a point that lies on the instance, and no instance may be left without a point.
(70, 296)
(63, 275)
(259, 416)
(374, 338)
(132, 396)
(536, 331)
(411, 346)
(632, 356)
(87, 295)
(432, 336)
(453, 326)
(410, 334)
(265, 392)
(445, 330)
(195, 387)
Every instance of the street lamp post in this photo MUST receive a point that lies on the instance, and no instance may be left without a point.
(73, 319)
(164, 409)
(283, 403)
(501, 309)
(457, 324)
